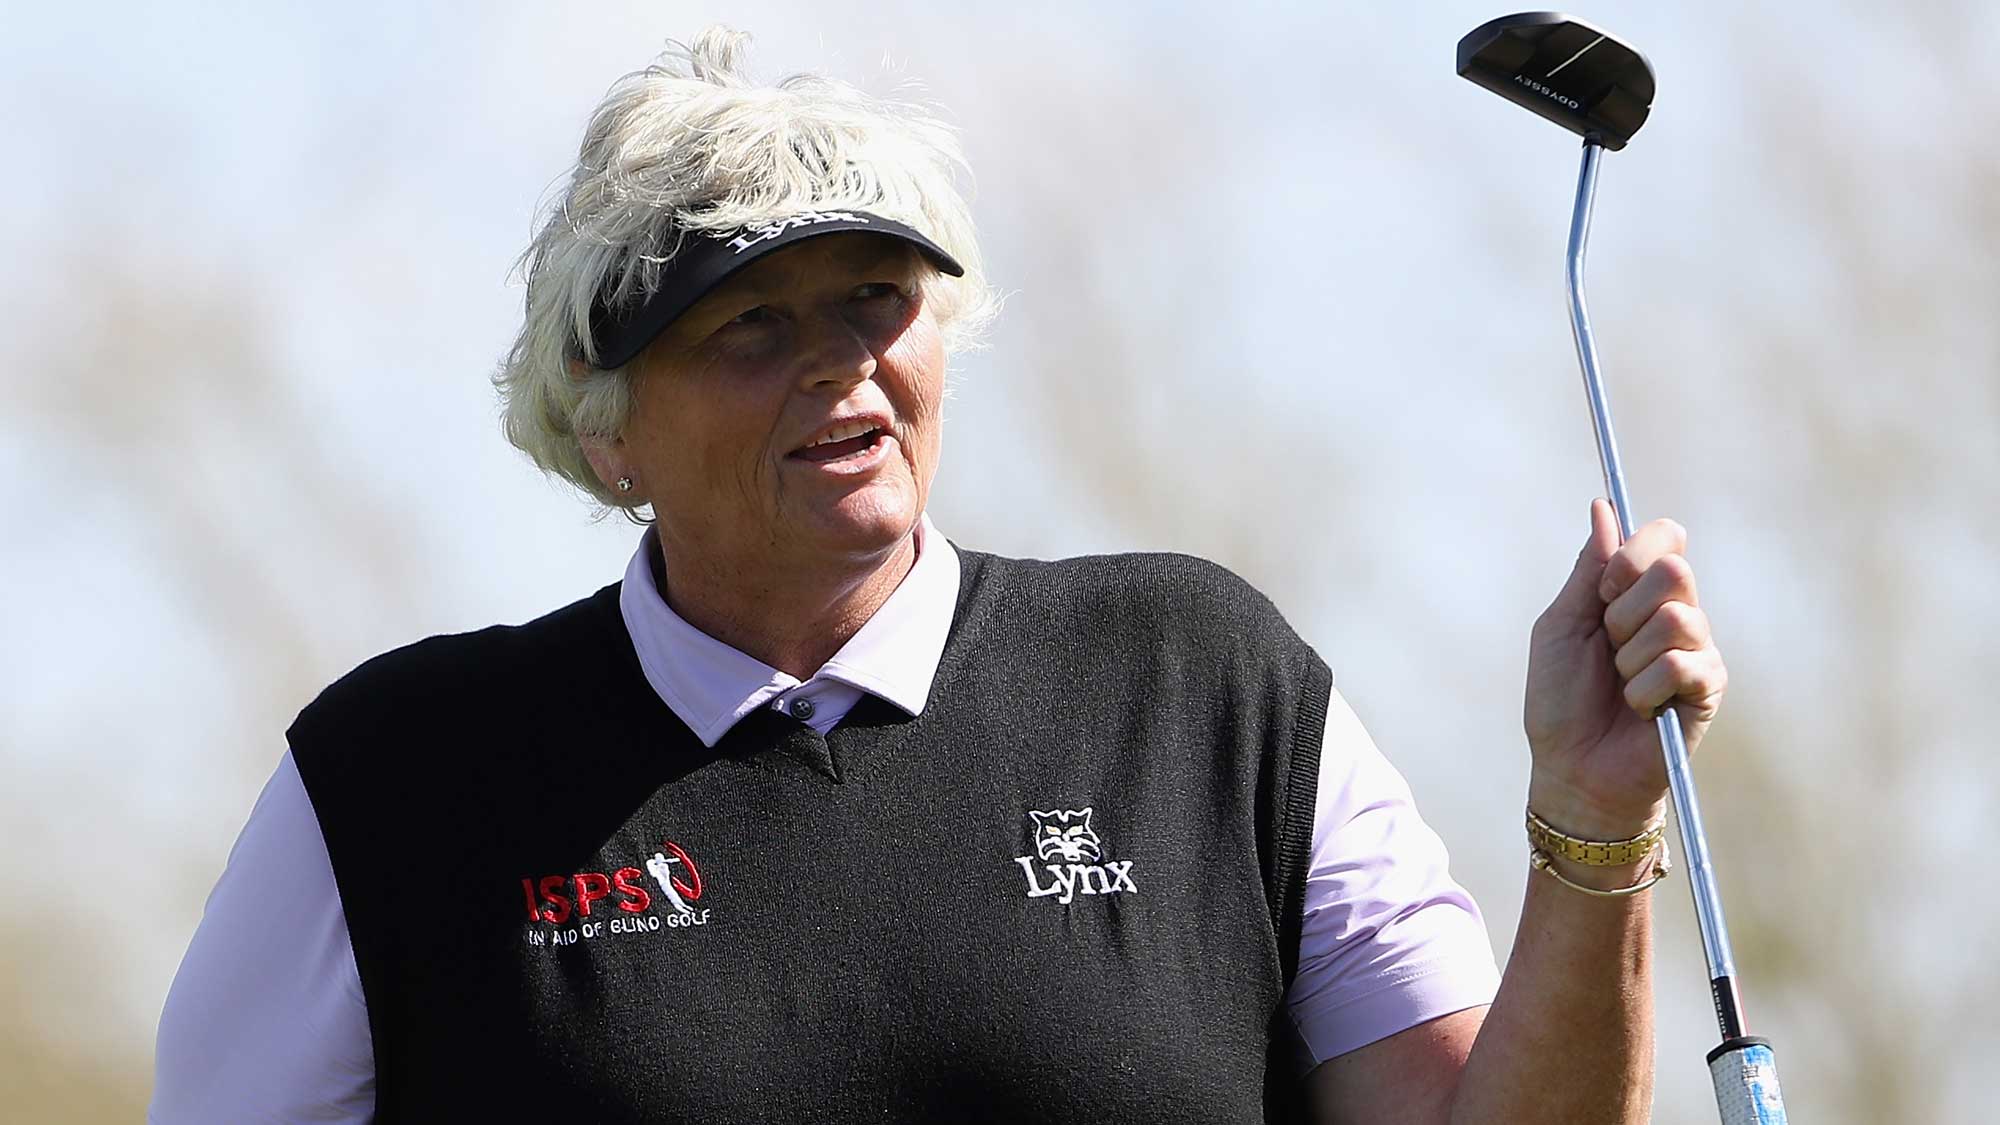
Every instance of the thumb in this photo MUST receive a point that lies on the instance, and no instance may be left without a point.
(1578, 600)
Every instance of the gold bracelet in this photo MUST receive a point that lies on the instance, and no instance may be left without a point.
(1662, 866)
(1593, 853)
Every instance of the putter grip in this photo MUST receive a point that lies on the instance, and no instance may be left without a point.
(1746, 1083)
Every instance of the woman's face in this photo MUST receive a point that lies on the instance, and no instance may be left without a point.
(736, 401)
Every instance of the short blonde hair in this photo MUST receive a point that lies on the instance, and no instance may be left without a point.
(692, 144)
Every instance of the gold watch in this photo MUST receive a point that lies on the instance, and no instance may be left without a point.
(1593, 853)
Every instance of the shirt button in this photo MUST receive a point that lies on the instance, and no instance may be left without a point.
(802, 709)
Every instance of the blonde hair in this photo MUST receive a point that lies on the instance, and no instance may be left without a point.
(692, 144)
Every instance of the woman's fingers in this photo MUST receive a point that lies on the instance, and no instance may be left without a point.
(1679, 676)
(1667, 578)
(1675, 625)
(1648, 544)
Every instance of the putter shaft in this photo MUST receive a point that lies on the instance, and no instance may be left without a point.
(1680, 777)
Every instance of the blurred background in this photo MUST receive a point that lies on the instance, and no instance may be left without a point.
(1285, 292)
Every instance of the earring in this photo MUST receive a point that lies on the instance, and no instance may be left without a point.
(624, 484)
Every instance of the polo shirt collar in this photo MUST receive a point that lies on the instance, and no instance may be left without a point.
(710, 685)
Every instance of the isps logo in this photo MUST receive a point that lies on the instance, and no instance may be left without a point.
(1065, 835)
(591, 904)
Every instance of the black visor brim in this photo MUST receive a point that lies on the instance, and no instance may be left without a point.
(705, 260)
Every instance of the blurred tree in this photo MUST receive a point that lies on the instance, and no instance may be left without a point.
(1880, 383)
(157, 397)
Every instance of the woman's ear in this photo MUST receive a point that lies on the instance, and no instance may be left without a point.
(607, 460)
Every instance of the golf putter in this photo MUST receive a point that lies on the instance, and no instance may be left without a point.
(1585, 80)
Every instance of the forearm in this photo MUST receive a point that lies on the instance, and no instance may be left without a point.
(1570, 1035)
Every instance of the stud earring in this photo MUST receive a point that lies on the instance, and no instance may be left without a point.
(624, 484)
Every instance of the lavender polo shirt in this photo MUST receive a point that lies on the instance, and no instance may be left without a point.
(266, 1020)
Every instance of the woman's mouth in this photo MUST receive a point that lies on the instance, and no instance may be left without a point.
(843, 446)
(841, 449)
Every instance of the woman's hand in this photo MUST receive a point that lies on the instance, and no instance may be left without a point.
(1625, 637)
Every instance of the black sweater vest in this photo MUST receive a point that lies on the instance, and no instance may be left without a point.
(1069, 891)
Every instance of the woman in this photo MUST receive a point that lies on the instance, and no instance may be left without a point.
(816, 816)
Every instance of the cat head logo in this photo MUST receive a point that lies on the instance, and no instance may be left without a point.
(1065, 833)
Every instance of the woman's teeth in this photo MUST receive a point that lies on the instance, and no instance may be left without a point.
(842, 433)
(842, 443)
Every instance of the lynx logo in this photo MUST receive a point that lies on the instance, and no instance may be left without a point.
(1064, 834)
(1538, 88)
(770, 231)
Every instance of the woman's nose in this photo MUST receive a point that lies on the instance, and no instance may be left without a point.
(836, 354)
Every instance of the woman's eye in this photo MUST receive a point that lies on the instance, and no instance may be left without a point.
(757, 315)
(875, 289)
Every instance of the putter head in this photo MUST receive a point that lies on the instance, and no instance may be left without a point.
(1576, 75)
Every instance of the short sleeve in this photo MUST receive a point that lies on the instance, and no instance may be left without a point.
(265, 1020)
(1389, 940)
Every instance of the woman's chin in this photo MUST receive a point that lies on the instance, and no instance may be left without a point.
(862, 524)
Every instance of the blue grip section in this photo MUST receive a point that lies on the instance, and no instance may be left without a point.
(1746, 1086)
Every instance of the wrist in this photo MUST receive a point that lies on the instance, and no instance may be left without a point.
(1570, 810)
(1615, 853)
